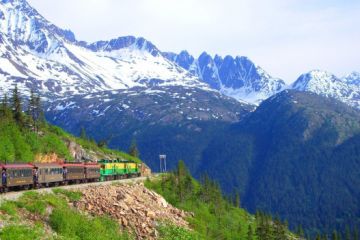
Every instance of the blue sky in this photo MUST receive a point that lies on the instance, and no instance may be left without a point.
(285, 37)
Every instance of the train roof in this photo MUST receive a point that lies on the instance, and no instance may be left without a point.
(115, 161)
(16, 165)
(72, 165)
(92, 165)
(47, 165)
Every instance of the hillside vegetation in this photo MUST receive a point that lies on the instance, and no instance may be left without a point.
(296, 156)
(26, 135)
(48, 217)
(215, 217)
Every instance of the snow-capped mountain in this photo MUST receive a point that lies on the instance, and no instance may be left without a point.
(353, 78)
(323, 83)
(237, 77)
(37, 54)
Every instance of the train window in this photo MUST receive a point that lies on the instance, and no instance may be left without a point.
(55, 171)
(20, 173)
(75, 170)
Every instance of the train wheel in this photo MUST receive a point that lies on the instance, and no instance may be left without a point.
(5, 189)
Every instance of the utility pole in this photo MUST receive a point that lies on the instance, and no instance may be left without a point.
(162, 158)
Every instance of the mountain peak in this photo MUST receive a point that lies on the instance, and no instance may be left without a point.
(313, 80)
(139, 43)
(237, 77)
(327, 84)
(353, 78)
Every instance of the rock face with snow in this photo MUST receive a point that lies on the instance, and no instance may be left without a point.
(37, 54)
(236, 77)
(323, 83)
(353, 78)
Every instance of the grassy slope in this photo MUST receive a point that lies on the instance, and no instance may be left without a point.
(48, 216)
(22, 145)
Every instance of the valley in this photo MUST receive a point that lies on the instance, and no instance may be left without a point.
(288, 148)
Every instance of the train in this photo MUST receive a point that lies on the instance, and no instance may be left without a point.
(18, 176)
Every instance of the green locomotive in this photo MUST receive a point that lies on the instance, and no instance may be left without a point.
(118, 169)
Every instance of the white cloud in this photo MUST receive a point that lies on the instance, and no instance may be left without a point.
(285, 37)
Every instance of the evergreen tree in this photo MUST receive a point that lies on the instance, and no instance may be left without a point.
(356, 234)
(250, 233)
(5, 111)
(347, 233)
(279, 229)
(17, 107)
(83, 133)
(300, 231)
(31, 111)
(133, 150)
(184, 181)
(261, 228)
(334, 235)
(236, 199)
(38, 115)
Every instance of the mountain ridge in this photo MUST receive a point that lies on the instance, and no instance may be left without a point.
(52, 59)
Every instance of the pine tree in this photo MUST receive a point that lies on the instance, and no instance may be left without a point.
(39, 115)
(133, 150)
(334, 235)
(279, 229)
(300, 231)
(31, 111)
(261, 228)
(236, 199)
(250, 233)
(39, 112)
(17, 107)
(182, 173)
(356, 234)
(347, 233)
(83, 133)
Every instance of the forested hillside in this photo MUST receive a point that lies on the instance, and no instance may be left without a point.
(296, 156)
(26, 136)
(216, 217)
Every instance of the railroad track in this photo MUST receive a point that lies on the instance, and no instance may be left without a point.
(12, 196)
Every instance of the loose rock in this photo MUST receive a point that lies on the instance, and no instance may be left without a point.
(135, 207)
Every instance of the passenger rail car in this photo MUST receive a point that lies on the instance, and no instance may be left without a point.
(37, 175)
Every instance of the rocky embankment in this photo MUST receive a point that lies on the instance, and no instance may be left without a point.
(136, 208)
